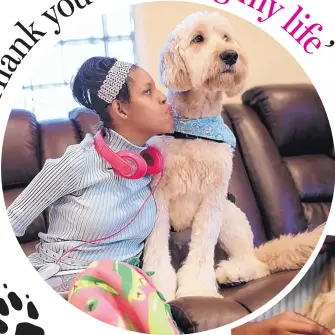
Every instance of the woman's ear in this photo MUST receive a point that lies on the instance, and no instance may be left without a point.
(119, 109)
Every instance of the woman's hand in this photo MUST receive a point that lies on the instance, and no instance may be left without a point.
(288, 323)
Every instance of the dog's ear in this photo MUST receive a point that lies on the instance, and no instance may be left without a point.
(173, 71)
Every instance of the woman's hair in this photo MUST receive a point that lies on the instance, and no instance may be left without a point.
(89, 79)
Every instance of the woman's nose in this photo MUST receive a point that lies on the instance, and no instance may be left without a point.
(162, 97)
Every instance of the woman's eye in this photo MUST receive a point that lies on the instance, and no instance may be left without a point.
(148, 91)
(198, 39)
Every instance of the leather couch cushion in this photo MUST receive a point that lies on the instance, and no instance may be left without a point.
(86, 121)
(56, 136)
(21, 163)
(179, 248)
(313, 175)
(240, 187)
(20, 152)
(197, 314)
(275, 191)
(266, 288)
(316, 213)
(295, 117)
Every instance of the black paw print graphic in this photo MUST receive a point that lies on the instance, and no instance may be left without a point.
(23, 328)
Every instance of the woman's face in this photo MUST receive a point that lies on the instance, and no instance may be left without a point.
(148, 111)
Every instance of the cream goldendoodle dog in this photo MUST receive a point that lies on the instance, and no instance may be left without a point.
(200, 61)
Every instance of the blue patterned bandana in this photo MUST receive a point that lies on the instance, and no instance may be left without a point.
(212, 128)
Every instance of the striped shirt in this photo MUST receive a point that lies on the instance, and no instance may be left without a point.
(88, 201)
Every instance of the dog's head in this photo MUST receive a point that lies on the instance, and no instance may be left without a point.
(202, 53)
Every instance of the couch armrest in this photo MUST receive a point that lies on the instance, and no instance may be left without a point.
(196, 314)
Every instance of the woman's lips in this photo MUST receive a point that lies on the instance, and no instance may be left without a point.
(170, 111)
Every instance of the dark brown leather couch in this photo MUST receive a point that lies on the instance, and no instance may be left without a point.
(283, 179)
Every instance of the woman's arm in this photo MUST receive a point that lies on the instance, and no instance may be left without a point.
(58, 177)
(287, 323)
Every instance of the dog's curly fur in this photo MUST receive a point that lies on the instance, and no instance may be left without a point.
(193, 191)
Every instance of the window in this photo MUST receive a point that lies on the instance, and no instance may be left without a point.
(47, 93)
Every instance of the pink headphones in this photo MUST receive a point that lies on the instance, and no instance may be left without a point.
(128, 164)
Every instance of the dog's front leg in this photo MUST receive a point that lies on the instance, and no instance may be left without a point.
(156, 252)
(197, 275)
(236, 238)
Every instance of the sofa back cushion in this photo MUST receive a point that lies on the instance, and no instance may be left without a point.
(242, 191)
(21, 162)
(27, 145)
(288, 151)
(294, 116)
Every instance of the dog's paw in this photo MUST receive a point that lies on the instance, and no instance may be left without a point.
(165, 281)
(259, 270)
(166, 288)
(168, 291)
(197, 291)
(241, 270)
(15, 303)
(201, 283)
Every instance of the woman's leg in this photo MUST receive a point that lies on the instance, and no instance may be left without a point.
(122, 295)
(61, 284)
(59, 280)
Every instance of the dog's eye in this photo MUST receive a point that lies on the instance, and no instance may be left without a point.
(198, 39)
(225, 38)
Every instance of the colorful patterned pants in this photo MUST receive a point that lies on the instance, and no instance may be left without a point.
(124, 296)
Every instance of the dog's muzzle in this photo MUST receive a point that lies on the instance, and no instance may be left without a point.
(229, 57)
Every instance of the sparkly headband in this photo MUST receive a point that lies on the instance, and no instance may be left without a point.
(114, 81)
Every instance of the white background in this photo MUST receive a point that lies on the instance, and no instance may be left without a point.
(56, 315)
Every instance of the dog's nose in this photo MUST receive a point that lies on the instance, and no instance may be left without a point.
(229, 57)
